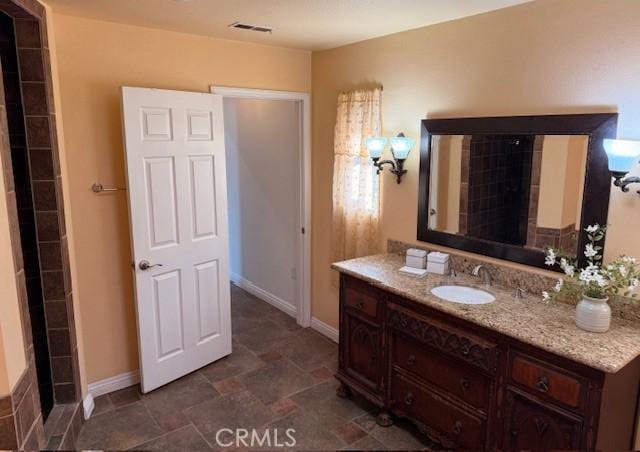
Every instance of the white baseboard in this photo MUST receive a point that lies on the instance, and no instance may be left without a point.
(88, 405)
(324, 329)
(273, 300)
(114, 383)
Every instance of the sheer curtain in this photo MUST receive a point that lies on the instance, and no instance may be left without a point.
(356, 208)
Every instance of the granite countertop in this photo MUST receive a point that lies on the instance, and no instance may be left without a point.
(530, 320)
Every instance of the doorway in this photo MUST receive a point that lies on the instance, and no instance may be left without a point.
(267, 149)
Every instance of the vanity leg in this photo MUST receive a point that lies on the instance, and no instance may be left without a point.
(384, 419)
(343, 391)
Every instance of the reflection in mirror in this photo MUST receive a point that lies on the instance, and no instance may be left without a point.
(523, 190)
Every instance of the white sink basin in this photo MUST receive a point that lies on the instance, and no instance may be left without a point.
(463, 295)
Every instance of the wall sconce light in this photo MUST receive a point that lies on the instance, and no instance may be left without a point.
(622, 155)
(400, 148)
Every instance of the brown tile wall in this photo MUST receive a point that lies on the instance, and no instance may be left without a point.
(63, 426)
(24, 200)
(20, 417)
(20, 414)
(498, 187)
(565, 239)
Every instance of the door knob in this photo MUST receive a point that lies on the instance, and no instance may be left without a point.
(145, 265)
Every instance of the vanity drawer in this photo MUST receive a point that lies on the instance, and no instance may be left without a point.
(546, 380)
(461, 428)
(446, 338)
(465, 383)
(362, 301)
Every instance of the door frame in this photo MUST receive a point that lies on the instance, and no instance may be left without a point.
(303, 309)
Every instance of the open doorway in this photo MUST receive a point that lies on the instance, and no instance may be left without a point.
(267, 153)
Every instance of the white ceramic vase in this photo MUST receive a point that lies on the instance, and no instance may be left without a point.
(593, 314)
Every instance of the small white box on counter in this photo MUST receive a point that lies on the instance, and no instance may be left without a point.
(416, 262)
(416, 252)
(438, 263)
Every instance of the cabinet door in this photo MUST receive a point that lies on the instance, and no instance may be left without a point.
(363, 358)
(530, 425)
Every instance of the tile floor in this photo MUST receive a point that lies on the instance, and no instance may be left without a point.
(279, 376)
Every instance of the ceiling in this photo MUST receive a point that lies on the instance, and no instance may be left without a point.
(305, 24)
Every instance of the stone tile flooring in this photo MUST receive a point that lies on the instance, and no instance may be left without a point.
(279, 376)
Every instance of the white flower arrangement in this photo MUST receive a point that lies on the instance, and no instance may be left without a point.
(621, 276)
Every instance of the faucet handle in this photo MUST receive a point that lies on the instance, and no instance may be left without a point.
(476, 270)
(452, 272)
(520, 293)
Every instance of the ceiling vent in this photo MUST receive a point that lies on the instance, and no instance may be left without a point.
(250, 27)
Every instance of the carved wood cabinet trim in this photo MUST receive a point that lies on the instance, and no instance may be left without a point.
(471, 350)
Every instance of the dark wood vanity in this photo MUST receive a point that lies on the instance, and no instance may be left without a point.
(469, 387)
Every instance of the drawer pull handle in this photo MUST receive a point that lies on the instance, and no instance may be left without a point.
(466, 349)
(464, 383)
(411, 360)
(408, 399)
(457, 428)
(359, 304)
(543, 384)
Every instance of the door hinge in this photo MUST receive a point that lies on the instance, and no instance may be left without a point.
(303, 230)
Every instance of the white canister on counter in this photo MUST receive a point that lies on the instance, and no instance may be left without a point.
(416, 258)
(416, 262)
(438, 263)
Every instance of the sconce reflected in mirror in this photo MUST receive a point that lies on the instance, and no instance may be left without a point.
(622, 155)
(400, 148)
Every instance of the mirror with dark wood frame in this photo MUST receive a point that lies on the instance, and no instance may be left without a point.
(509, 187)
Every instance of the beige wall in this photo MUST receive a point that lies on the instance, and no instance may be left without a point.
(580, 142)
(94, 60)
(553, 180)
(548, 56)
(5, 387)
(562, 180)
(64, 169)
(573, 186)
(12, 357)
(449, 149)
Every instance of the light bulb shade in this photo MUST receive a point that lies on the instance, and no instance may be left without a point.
(375, 146)
(401, 146)
(622, 154)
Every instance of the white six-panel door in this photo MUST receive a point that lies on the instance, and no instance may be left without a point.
(178, 207)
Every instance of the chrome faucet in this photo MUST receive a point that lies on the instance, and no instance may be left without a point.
(482, 272)
(520, 293)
